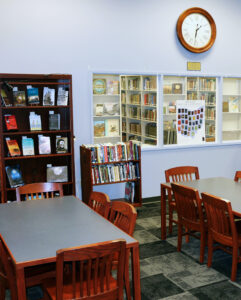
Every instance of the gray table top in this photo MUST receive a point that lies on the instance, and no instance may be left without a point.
(225, 188)
(34, 230)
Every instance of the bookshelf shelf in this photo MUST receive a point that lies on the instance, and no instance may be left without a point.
(95, 174)
(34, 167)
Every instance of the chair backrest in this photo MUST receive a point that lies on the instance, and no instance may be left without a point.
(189, 205)
(220, 217)
(100, 202)
(7, 273)
(40, 190)
(91, 271)
(123, 215)
(183, 173)
(237, 176)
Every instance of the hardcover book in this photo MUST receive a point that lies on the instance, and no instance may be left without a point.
(57, 174)
(19, 98)
(13, 147)
(61, 144)
(44, 144)
(99, 128)
(54, 121)
(48, 96)
(33, 97)
(112, 127)
(63, 95)
(99, 109)
(99, 86)
(28, 146)
(14, 175)
(11, 123)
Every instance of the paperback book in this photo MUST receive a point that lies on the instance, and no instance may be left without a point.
(11, 123)
(99, 86)
(112, 127)
(63, 95)
(19, 98)
(112, 87)
(35, 122)
(14, 175)
(54, 121)
(44, 144)
(33, 96)
(233, 104)
(5, 100)
(99, 109)
(13, 147)
(57, 174)
(48, 96)
(99, 128)
(61, 144)
(27, 146)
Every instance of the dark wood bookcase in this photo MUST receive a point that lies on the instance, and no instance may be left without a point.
(34, 168)
(87, 180)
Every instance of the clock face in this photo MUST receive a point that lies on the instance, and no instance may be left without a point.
(196, 30)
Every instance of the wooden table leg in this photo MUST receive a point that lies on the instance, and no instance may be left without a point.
(136, 278)
(163, 212)
(21, 289)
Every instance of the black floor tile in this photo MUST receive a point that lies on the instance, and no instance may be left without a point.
(155, 248)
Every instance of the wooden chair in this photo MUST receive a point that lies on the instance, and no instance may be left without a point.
(190, 215)
(90, 276)
(123, 215)
(237, 176)
(177, 174)
(100, 202)
(222, 229)
(40, 190)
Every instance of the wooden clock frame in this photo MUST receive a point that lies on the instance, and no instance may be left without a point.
(179, 29)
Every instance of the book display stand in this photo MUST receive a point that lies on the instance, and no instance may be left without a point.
(31, 115)
(111, 164)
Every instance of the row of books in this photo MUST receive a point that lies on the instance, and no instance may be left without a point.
(102, 86)
(151, 130)
(135, 112)
(169, 136)
(210, 113)
(232, 104)
(135, 99)
(207, 84)
(104, 153)
(150, 99)
(20, 99)
(34, 121)
(108, 128)
(135, 128)
(44, 145)
(115, 173)
(53, 174)
(150, 114)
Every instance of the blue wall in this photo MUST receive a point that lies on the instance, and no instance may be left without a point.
(81, 36)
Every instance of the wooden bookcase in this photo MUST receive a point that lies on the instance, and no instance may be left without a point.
(87, 181)
(34, 167)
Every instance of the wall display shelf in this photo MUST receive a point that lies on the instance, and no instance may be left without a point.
(103, 164)
(37, 131)
(188, 88)
(231, 129)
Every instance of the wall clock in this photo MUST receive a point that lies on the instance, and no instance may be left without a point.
(196, 30)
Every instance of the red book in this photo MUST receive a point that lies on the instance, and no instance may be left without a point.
(11, 123)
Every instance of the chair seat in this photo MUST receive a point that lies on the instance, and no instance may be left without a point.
(50, 287)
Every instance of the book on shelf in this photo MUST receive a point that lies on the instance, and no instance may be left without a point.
(99, 86)
(172, 107)
(233, 104)
(5, 99)
(33, 96)
(177, 88)
(112, 127)
(99, 109)
(35, 122)
(225, 106)
(99, 128)
(112, 87)
(19, 98)
(54, 121)
(27, 146)
(11, 123)
(111, 109)
(63, 96)
(13, 147)
(44, 144)
(61, 144)
(48, 96)
(130, 191)
(14, 175)
(57, 173)
(167, 89)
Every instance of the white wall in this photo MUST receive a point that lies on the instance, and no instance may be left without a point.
(77, 36)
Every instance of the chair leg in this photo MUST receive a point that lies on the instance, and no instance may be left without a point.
(2, 290)
(234, 263)
(126, 276)
(179, 239)
(170, 219)
(186, 235)
(210, 250)
(202, 246)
